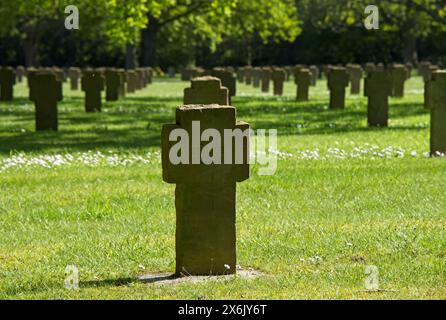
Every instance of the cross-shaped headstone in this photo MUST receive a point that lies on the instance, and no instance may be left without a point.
(380, 67)
(74, 74)
(355, 74)
(256, 77)
(302, 78)
(289, 72)
(266, 78)
(399, 77)
(437, 106)
(248, 75)
(7, 81)
(92, 84)
(141, 79)
(241, 74)
(326, 69)
(369, 67)
(20, 73)
(206, 90)
(171, 72)
(228, 80)
(113, 83)
(132, 81)
(337, 81)
(45, 92)
(314, 70)
(122, 81)
(150, 72)
(205, 192)
(423, 68)
(378, 89)
(186, 74)
(409, 67)
(59, 73)
(278, 76)
(428, 70)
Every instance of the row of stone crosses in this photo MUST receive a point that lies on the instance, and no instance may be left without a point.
(45, 86)
(205, 194)
(46, 90)
(380, 83)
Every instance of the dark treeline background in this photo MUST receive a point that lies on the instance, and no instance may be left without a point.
(221, 32)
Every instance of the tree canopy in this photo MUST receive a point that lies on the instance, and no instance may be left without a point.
(172, 32)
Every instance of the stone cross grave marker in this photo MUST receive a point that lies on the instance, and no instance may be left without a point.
(7, 81)
(380, 67)
(256, 77)
(112, 83)
(141, 82)
(205, 195)
(191, 72)
(241, 75)
(296, 69)
(423, 69)
(314, 70)
(427, 76)
(326, 69)
(248, 75)
(278, 76)
(74, 74)
(265, 79)
(369, 67)
(228, 80)
(59, 73)
(409, 67)
(302, 78)
(355, 74)
(93, 83)
(150, 72)
(132, 81)
(20, 73)
(428, 70)
(337, 81)
(46, 92)
(399, 76)
(437, 106)
(171, 72)
(206, 90)
(289, 72)
(378, 89)
(122, 81)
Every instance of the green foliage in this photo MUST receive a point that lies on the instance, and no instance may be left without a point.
(123, 20)
(270, 19)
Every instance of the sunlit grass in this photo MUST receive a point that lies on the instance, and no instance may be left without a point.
(311, 228)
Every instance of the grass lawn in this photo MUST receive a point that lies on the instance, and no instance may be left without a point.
(344, 197)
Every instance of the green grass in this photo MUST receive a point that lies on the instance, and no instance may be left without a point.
(311, 228)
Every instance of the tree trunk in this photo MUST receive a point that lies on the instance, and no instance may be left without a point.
(149, 43)
(410, 53)
(31, 48)
(130, 58)
(248, 48)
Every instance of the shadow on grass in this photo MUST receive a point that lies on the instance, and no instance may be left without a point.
(107, 283)
(135, 122)
(127, 281)
(78, 141)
